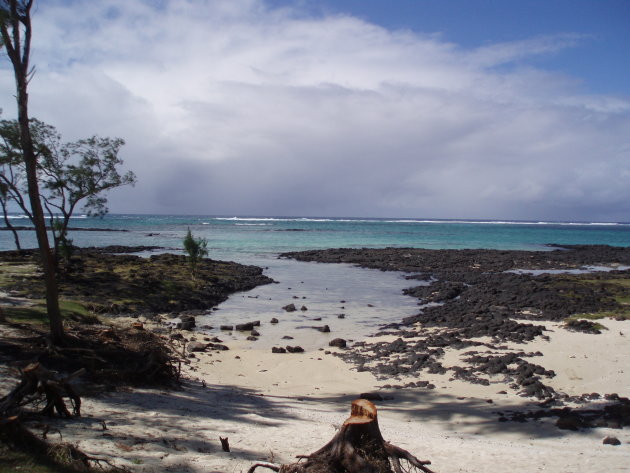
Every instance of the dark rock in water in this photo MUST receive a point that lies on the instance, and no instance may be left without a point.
(290, 308)
(227, 327)
(338, 342)
(252, 338)
(303, 308)
(611, 441)
(216, 340)
(295, 349)
(324, 329)
(246, 327)
(255, 333)
(287, 337)
(278, 350)
(371, 396)
(197, 347)
(341, 316)
(273, 321)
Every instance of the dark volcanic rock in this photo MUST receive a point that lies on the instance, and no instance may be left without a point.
(581, 325)
(246, 327)
(482, 293)
(611, 441)
(337, 342)
(197, 347)
(295, 349)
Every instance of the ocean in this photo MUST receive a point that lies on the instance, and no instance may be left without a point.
(244, 238)
(353, 302)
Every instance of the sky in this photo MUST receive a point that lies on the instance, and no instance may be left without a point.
(472, 109)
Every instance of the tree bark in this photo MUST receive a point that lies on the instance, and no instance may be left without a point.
(18, 51)
(10, 227)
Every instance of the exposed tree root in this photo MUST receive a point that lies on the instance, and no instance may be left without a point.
(39, 384)
(358, 447)
(18, 437)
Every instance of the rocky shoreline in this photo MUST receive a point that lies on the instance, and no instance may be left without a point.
(478, 302)
(112, 281)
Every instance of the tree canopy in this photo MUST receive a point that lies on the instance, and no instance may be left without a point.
(71, 175)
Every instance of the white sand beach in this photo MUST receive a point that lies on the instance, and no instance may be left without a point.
(273, 407)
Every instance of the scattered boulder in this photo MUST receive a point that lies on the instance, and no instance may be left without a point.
(227, 327)
(295, 349)
(324, 329)
(340, 343)
(278, 350)
(197, 347)
(570, 422)
(273, 321)
(290, 308)
(218, 346)
(246, 327)
(255, 333)
(611, 441)
(303, 308)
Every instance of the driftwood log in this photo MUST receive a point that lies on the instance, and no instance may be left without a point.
(358, 447)
(39, 384)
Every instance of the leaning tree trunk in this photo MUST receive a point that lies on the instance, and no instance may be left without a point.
(17, 16)
(358, 447)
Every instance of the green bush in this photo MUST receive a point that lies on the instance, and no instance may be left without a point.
(196, 249)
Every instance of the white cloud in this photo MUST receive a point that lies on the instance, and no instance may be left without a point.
(232, 107)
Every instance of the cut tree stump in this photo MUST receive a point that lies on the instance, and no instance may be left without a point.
(358, 447)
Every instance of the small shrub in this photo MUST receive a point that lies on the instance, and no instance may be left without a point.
(196, 249)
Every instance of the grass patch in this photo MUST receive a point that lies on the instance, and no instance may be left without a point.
(12, 461)
(620, 314)
(38, 314)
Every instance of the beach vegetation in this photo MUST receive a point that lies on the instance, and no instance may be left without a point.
(196, 249)
(16, 33)
(71, 175)
(622, 313)
(35, 312)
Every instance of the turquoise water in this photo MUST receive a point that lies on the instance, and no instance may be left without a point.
(240, 238)
(367, 298)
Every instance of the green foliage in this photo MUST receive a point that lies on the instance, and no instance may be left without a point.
(196, 249)
(70, 174)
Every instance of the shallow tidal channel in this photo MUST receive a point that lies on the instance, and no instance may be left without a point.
(353, 302)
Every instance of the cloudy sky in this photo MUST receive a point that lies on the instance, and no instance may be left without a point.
(398, 108)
